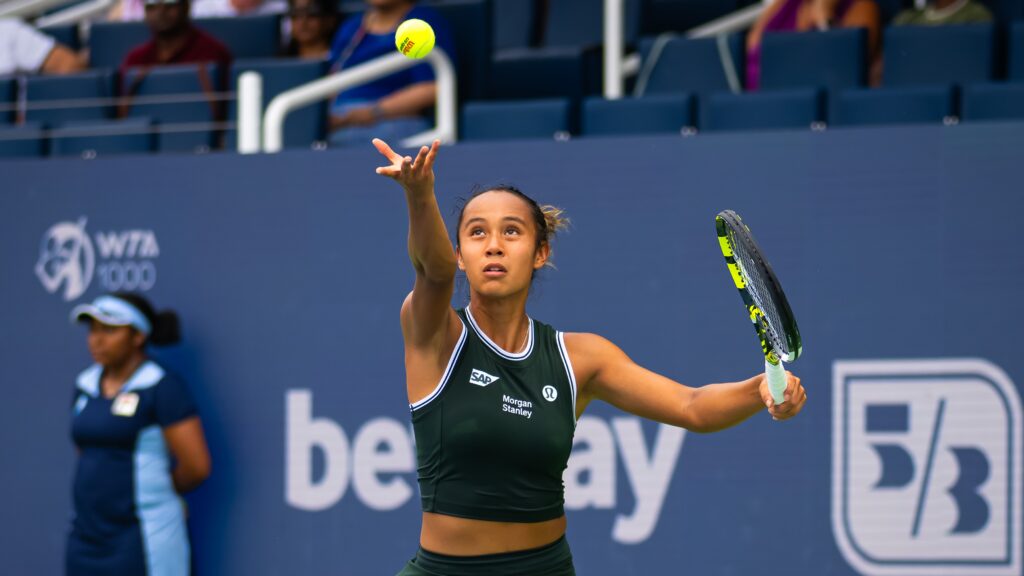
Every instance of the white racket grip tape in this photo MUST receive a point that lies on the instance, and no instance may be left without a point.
(776, 376)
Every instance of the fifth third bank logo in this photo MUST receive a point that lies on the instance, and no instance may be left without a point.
(926, 467)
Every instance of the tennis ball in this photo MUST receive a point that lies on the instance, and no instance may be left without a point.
(414, 38)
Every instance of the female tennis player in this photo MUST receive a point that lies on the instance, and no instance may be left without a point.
(495, 395)
(140, 444)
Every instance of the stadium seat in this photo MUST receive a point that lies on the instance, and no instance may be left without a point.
(910, 105)
(66, 34)
(77, 138)
(26, 141)
(184, 101)
(580, 23)
(511, 120)
(687, 65)
(303, 126)
(85, 87)
(545, 73)
(7, 95)
(917, 55)
(246, 36)
(832, 59)
(1015, 65)
(992, 102)
(471, 24)
(768, 110)
(659, 114)
(110, 42)
(513, 23)
(890, 8)
(680, 15)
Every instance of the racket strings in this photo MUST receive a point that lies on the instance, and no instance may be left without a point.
(754, 271)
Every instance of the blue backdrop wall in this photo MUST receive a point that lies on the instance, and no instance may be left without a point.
(896, 247)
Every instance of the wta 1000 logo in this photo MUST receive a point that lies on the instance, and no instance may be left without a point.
(121, 259)
(926, 467)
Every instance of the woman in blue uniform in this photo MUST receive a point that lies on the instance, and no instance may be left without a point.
(495, 395)
(140, 444)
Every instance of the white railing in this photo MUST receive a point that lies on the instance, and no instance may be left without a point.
(286, 102)
(28, 8)
(618, 66)
(87, 11)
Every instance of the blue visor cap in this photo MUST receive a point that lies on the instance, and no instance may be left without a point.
(112, 312)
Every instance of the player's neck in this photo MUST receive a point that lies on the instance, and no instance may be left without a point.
(504, 321)
(115, 375)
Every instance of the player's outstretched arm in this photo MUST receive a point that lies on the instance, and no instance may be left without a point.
(426, 311)
(605, 372)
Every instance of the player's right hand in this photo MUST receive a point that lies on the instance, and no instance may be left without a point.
(416, 176)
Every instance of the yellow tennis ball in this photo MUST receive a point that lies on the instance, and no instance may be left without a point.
(414, 38)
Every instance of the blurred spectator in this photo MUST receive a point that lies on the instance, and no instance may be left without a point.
(23, 49)
(804, 15)
(175, 40)
(313, 25)
(130, 10)
(939, 12)
(392, 107)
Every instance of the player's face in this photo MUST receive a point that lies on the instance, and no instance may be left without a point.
(112, 345)
(498, 244)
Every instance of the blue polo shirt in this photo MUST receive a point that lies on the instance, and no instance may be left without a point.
(353, 46)
(128, 518)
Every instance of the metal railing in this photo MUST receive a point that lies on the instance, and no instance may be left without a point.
(272, 129)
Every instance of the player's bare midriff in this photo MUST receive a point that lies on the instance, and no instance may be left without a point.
(456, 536)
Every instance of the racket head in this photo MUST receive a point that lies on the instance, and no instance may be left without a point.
(760, 289)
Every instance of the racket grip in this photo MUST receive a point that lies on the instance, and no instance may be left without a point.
(776, 376)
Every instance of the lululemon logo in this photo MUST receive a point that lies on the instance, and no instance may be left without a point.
(550, 393)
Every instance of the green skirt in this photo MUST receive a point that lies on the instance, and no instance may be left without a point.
(555, 559)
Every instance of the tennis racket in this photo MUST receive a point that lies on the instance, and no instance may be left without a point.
(762, 296)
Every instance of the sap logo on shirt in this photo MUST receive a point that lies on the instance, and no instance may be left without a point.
(926, 467)
(68, 258)
(380, 465)
(481, 378)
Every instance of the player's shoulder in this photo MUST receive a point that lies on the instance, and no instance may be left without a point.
(588, 344)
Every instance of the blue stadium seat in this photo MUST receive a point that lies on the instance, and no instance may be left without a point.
(545, 73)
(513, 23)
(910, 105)
(66, 34)
(471, 24)
(41, 92)
(992, 102)
(110, 42)
(7, 86)
(26, 141)
(679, 15)
(1015, 65)
(579, 23)
(511, 120)
(246, 36)
(688, 65)
(111, 137)
(917, 55)
(192, 105)
(768, 110)
(660, 114)
(832, 59)
(890, 8)
(303, 126)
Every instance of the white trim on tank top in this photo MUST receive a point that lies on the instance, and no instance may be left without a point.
(447, 372)
(518, 357)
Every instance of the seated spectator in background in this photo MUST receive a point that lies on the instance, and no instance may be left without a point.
(25, 50)
(805, 15)
(940, 12)
(392, 107)
(313, 25)
(130, 10)
(175, 40)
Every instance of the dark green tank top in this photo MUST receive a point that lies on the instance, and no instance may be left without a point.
(494, 436)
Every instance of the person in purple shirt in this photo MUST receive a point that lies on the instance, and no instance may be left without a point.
(806, 15)
(395, 105)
